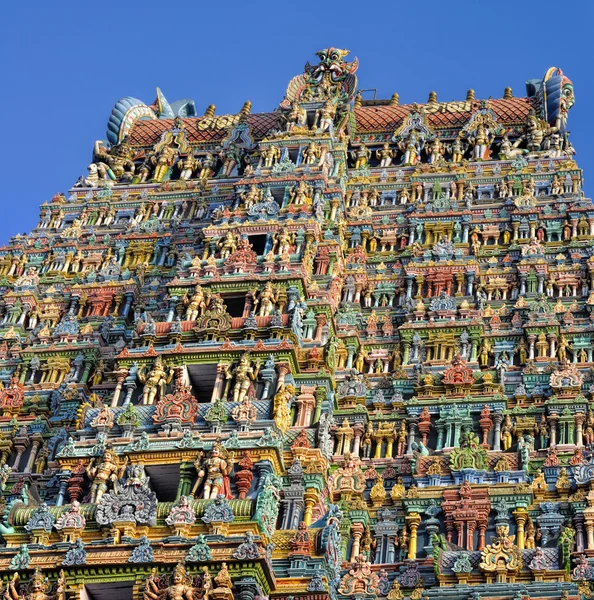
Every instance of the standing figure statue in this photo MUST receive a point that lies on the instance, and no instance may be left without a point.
(215, 471)
(326, 116)
(296, 118)
(196, 304)
(165, 159)
(231, 158)
(104, 472)
(311, 154)
(187, 165)
(154, 381)
(267, 300)
(411, 147)
(385, 155)
(244, 375)
(481, 139)
(361, 156)
(457, 149)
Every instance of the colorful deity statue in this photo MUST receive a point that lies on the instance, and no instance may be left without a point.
(214, 470)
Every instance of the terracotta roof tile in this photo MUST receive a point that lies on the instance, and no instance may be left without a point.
(389, 118)
(369, 119)
(148, 132)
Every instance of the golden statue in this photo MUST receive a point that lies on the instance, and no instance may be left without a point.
(282, 411)
(311, 154)
(155, 381)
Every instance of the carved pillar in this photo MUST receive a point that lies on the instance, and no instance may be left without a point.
(358, 429)
(37, 439)
(413, 521)
(520, 515)
(217, 390)
(579, 427)
(120, 378)
(357, 531)
(497, 420)
(310, 498)
(482, 527)
(579, 527)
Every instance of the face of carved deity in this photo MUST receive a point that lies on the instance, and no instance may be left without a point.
(178, 577)
(567, 96)
(332, 60)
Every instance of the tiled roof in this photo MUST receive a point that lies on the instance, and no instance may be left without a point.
(148, 133)
(509, 111)
(389, 118)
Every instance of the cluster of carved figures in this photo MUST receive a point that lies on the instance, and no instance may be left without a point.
(338, 350)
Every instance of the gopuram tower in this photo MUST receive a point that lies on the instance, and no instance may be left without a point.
(340, 350)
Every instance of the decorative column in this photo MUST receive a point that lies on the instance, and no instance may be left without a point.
(521, 516)
(310, 498)
(217, 390)
(580, 418)
(497, 420)
(578, 519)
(358, 429)
(121, 375)
(413, 520)
(37, 441)
(21, 443)
(357, 531)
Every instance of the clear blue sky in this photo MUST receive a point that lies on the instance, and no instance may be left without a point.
(64, 65)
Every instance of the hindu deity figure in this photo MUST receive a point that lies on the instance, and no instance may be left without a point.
(457, 149)
(104, 472)
(481, 139)
(361, 156)
(506, 433)
(436, 150)
(180, 589)
(164, 161)
(207, 164)
(38, 588)
(510, 149)
(215, 471)
(283, 240)
(296, 117)
(187, 165)
(326, 116)
(196, 304)
(228, 244)
(244, 375)
(411, 147)
(402, 437)
(300, 194)
(484, 353)
(311, 154)
(267, 300)
(118, 160)
(231, 158)
(282, 406)
(385, 155)
(155, 381)
(271, 155)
